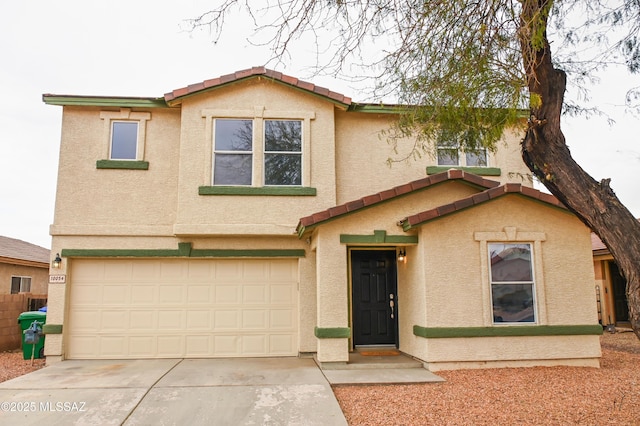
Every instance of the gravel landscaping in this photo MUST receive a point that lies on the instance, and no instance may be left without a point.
(609, 395)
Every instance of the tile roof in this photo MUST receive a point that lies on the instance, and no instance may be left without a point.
(398, 191)
(596, 243)
(479, 198)
(254, 72)
(17, 249)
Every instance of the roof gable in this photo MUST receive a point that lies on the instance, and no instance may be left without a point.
(176, 96)
(332, 213)
(481, 198)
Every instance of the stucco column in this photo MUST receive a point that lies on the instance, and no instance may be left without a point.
(332, 330)
(56, 299)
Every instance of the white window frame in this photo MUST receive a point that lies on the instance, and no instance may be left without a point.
(111, 140)
(462, 155)
(125, 115)
(23, 280)
(532, 283)
(258, 114)
(265, 152)
(510, 235)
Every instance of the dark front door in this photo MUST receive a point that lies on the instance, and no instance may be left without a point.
(619, 285)
(374, 296)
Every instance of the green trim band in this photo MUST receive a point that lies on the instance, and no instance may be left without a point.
(184, 250)
(122, 164)
(332, 332)
(252, 190)
(506, 331)
(104, 101)
(52, 329)
(480, 171)
(378, 237)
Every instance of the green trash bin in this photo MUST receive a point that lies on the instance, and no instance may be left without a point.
(26, 320)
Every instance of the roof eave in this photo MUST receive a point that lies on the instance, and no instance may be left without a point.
(103, 101)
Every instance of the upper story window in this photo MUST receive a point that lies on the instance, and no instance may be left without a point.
(20, 285)
(512, 283)
(450, 154)
(259, 148)
(278, 152)
(233, 152)
(283, 152)
(124, 140)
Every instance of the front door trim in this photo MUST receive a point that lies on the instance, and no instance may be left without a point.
(389, 256)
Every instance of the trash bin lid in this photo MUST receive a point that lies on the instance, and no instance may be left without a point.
(32, 315)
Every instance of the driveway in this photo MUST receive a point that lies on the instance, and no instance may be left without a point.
(256, 391)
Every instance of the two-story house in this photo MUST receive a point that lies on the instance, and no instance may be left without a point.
(255, 215)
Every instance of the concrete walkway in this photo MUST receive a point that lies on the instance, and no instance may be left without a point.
(257, 391)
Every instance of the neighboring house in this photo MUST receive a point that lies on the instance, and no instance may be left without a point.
(24, 267)
(255, 215)
(611, 287)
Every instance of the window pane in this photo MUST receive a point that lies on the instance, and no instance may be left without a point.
(283, 169)
(232, 169)
(233, 135)
(512, 302)
(283, 135)
(25, 284)
(15, 285)
(510, 262)
(448, 156)
(477, 158)
(124, 140)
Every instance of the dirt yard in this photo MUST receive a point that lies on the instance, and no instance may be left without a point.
(609, 395)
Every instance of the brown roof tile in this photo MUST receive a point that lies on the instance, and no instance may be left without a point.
(17, 249)
(254, 72)
(482, 197)
(596, 243)
(389, 194)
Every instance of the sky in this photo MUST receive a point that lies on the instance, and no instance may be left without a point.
(144, 48)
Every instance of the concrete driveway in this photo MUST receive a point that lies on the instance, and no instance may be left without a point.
(256, 391)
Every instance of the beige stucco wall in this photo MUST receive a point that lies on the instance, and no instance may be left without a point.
(39, 277)
(333, 281)
(457, 281)
(91, 201)
(257, 214)
(363, 153)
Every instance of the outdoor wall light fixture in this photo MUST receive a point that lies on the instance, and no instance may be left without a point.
(402, 255)
(57, 261)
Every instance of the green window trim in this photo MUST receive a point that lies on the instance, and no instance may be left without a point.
(252, 190)
(52, 328)
(332, 332)
(480, 171)
(378, 237)
(184, 250)
(506, 331)
(122, 164)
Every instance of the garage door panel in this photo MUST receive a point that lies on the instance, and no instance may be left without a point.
(143, 320)
(139, 308)
(143, 294)
(200, 294)
(254, 294)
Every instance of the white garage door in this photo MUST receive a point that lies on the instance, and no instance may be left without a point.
(168, 308)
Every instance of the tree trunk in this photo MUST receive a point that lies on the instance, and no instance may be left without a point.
(545, 152)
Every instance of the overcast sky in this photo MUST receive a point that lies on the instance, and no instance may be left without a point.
(142, 48)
